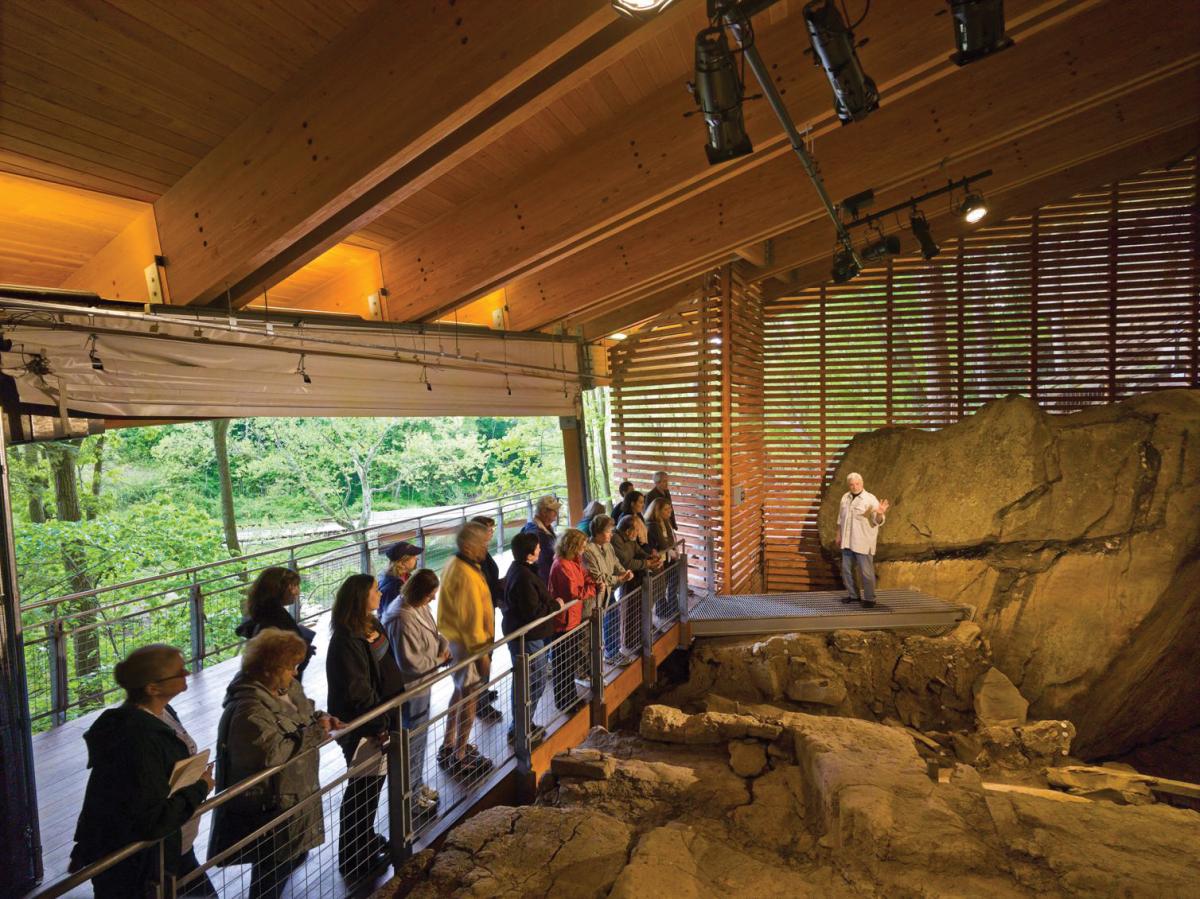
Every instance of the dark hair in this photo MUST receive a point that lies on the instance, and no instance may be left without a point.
(523, 545)
(419, 589)
(630, 498)
(626, 523)
(269, 590)
(485, 521)
(625, 487)
(600, 524)
(350, 605)
(144, 666)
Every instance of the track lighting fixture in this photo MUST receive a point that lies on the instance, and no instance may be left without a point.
(93, 355)
(854, 93)
(845, 267)
(719, 90)
(886, 245)
(920, 230)
(978, 29)
(641, 9)
(301, 372)
(973, 208)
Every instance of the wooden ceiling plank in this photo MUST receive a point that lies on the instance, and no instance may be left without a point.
(36, 150)
(260, 191)
(776, 196)
(18, 163)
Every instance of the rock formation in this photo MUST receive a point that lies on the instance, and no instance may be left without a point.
(1076, 537)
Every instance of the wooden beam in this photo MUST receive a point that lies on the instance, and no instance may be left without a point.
(648, 159)
(374, 101)
(642, 308)
(118, 272)
(757, 254)
(997, 113)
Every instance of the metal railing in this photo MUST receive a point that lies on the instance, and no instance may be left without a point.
(577, 675)
(200, 607)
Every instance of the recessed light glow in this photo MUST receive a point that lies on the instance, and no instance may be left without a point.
(973, 208)
(620, 335)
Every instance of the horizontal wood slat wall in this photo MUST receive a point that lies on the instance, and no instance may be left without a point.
(742, 360)
(1084, 302)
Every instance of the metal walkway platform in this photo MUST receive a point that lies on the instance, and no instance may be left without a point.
(781, 613)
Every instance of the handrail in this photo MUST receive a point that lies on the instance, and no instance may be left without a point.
(248, 783)
(237, 560)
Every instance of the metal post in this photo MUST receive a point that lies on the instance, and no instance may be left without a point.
(521, 711)
(681, 600)
(400, 818)
(364, 555)
(710, 565)
(59, 687)
(597, 666)
(196, 615)
(421, 542)
(499, 527)
(649, 666)
(529, 507)
(293, 566)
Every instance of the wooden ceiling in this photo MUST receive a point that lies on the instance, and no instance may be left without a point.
(472, 154)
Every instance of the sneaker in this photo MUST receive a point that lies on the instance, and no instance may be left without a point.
(491, 695)
(537, 735)
(868, 605)
(428, 793)
(472, 767)
(423, 803)
(849, 599)
(489, 713)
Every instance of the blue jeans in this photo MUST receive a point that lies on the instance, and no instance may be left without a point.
(415, 713)
(610, 627)
(537, 678)
(866, 574)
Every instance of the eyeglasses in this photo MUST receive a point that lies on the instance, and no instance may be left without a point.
(183, 673)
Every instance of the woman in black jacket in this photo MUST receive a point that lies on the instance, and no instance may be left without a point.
(362, 673)
(132, 750)
(266, 606)
(526, 599)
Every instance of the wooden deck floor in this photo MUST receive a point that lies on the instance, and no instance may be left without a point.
(60, 760)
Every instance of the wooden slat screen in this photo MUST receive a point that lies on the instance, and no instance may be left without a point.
(742, 368)
(1086, 301)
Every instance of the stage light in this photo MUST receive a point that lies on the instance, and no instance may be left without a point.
(641, 9)
(978, 29)
(845, 267)
(854, 94)
(885, 246)
(96, 363)
(719, 90)
(618, 336)
(973, 208)
(857, 203)
(920, 230)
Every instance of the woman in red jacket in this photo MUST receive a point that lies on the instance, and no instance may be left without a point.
(569, 581)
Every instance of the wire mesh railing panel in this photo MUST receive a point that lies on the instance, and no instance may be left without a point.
(567, 660)
(621, 628)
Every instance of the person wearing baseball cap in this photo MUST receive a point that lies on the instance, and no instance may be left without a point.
(402, 561)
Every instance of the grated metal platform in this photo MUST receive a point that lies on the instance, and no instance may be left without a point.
(780, 613)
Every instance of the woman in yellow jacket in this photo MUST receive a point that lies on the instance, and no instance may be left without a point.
(468, 621)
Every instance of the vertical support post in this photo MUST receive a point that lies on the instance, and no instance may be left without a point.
(575, 456)
(596, 667)
(196, 617)
(499, 527)
(364, 554)
(59, 687)
(400, 823)
(725, 356)
(421, 542)
(293, 566)
(649, 666)
(681, 600)
(522, 720)
(528, 507)
(710, 564)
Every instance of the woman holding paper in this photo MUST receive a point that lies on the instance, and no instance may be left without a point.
(362, 673)
(268, 721)
(133, 751)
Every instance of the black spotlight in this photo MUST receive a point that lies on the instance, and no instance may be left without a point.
(641, 9)
(973, 208)
(854, 94)
(920, 230)
(719, 91)
(845, 267)
(885, 246)
(978, 29)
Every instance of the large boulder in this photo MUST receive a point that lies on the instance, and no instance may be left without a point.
(1077, 539)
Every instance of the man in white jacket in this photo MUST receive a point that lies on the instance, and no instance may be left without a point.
(859, 520)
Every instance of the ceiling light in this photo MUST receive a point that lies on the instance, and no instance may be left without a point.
(845, 267)
(641, 9)
(96, 363)
(301, 372)
(719, 89)
(973, 208)
(888, 245)
(620, 335)
(920, 230)
(978, 29)
(854, 94)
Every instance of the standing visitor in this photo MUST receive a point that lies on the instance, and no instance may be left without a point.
(623, 490)
(594, 508)
(542, 527)
(468, 621)
(402, 561)
(662, 490)
(633, 557)
(859, 518)
(362, 674)
(486, 710)
(527, 599)
(266, 606)
(661, 530)
(132, 751)
(268, 721)
(419, 649)
(605, 569)
(569, 581)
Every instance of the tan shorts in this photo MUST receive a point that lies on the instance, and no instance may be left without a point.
(467, 676)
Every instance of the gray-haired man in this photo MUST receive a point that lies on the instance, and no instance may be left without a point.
(859, 520)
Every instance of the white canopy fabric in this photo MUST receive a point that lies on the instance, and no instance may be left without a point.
(167, 365)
